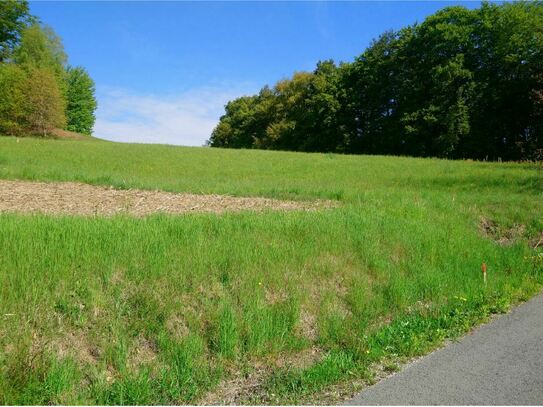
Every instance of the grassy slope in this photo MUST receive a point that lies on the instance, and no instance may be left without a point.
(162, 309)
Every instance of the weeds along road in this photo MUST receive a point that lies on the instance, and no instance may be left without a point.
(500, 363)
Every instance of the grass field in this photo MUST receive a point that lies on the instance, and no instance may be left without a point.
(270, 307)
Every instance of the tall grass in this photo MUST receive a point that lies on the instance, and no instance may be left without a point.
(163, 309)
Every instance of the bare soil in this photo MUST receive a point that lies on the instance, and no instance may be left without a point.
(66, 134)
(71, 198)
(502, 236)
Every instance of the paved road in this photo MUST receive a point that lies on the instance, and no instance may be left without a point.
(500, 363)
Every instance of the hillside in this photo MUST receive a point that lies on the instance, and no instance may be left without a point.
(243, 306)
(69, 135)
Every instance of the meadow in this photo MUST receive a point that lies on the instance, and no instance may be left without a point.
(272, 307)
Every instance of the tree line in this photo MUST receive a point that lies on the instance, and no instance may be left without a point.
(39, 91)
(461, 84)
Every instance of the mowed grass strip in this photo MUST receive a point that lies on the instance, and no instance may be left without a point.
(265, 307)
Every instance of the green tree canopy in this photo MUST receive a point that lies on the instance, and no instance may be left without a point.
(41, 48)
(14, 17)
(12, 97)
(44, 105)
(80, 99)
(38, 92)
(463, 83)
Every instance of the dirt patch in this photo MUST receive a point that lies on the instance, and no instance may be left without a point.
(245, 388)
(76, 344)
(308, 326)
(71, 198)
(233, 390)
(70, 135)
(177, 327)
(143, 353)
(537, 241)
(502, 236)
(276, 296)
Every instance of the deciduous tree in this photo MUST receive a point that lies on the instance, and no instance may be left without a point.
(463, 83)
(14, 17)
(41, 48)
(80, 101)
(12, 97)
(44, 104)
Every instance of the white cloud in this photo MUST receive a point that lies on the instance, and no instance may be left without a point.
(184, 119)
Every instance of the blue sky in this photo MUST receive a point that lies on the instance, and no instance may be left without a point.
(164, 70)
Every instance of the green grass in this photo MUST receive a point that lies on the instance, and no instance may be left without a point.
(163, 309)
